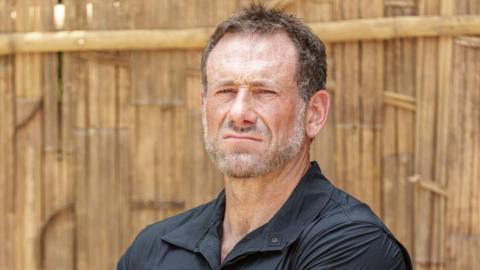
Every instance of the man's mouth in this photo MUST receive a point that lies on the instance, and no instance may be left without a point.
(241, 137)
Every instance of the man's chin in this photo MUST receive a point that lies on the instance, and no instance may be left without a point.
(239, 173)
(241, 165)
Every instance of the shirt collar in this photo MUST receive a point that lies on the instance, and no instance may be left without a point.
(189, 234)
(304, 204)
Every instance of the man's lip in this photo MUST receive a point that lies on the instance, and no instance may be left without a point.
(241, 137)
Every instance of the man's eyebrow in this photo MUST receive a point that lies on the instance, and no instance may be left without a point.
(260, 83)
(255, 83)
(223, 82)
(230, 82)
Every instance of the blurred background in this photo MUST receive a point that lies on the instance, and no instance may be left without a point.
(99, 138)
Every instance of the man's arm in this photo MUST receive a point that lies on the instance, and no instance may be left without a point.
(351, 246)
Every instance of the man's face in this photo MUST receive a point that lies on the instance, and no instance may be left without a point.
(253, 116)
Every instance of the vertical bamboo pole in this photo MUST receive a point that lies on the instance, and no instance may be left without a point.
(463, 224)
(398, 133)
(96, 148)
(147, 118)
(371, 106)
(7, 144)
(445, 51)
(7, 162)
(323, 150)
(358, 103)
(73, 141)
(30, 90)
(434, 56)
(56, 240)
(463, 148)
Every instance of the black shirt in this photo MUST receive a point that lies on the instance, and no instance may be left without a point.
(318, 227)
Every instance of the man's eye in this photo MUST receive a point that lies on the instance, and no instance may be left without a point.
(226, 91)
(264, 92)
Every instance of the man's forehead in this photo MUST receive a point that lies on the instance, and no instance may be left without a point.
(252, 73)
(254, 45)
(253, 56)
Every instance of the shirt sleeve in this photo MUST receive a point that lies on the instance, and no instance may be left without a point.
(350, 246)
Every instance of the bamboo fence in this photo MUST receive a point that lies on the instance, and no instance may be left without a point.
(342, 31)
(100, 126)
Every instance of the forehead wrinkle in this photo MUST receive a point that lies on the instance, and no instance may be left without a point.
(253, 48)
(243, 81)
(245, 58)
(241, 72)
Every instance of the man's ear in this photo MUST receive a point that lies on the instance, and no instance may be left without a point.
(316, 114)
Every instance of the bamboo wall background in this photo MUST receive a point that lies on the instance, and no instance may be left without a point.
(96, 145)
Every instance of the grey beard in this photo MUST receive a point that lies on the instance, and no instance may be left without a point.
(249, 165)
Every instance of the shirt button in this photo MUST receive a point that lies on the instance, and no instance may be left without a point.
(274, 240)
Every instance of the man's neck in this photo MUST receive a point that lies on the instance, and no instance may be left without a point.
(252, 202)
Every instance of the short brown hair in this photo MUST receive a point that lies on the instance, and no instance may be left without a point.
(311, 73)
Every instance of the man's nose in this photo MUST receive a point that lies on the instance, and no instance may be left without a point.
(242, 112)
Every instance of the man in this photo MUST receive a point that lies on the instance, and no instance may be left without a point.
(264, 102)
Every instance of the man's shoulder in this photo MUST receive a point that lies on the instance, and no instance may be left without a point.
(160, 228)
(345, 215)
(345, 208)
(347, 232)
(149, 240)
